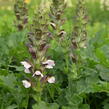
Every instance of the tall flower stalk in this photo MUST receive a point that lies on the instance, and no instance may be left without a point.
(21, 13)
(36, 67)
(38, 43)
(56, 16)
(79, 35)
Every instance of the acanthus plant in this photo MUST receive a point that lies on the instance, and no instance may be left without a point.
(37, 45)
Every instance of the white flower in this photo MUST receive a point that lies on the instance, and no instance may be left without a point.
(51, 79)
(26, 83)
(26, 64)
(27, 71)
(49, 64)
(38, 73)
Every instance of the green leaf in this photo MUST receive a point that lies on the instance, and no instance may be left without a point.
(102, 57)
(43, 105)
(70, 107)
(106, 106)
(12, 107)
(104, 72)
(84, 106)
(8, 81)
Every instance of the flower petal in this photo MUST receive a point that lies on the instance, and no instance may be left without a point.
(51, 79)
(26, 83)
(26, 64)
(38, 73)
(27, 71)
(49, 64)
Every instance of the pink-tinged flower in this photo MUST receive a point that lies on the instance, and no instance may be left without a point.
(26, 64)
(26, 84)
(51, 79)
(49, 64)
(27, 71)
(38, 73)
